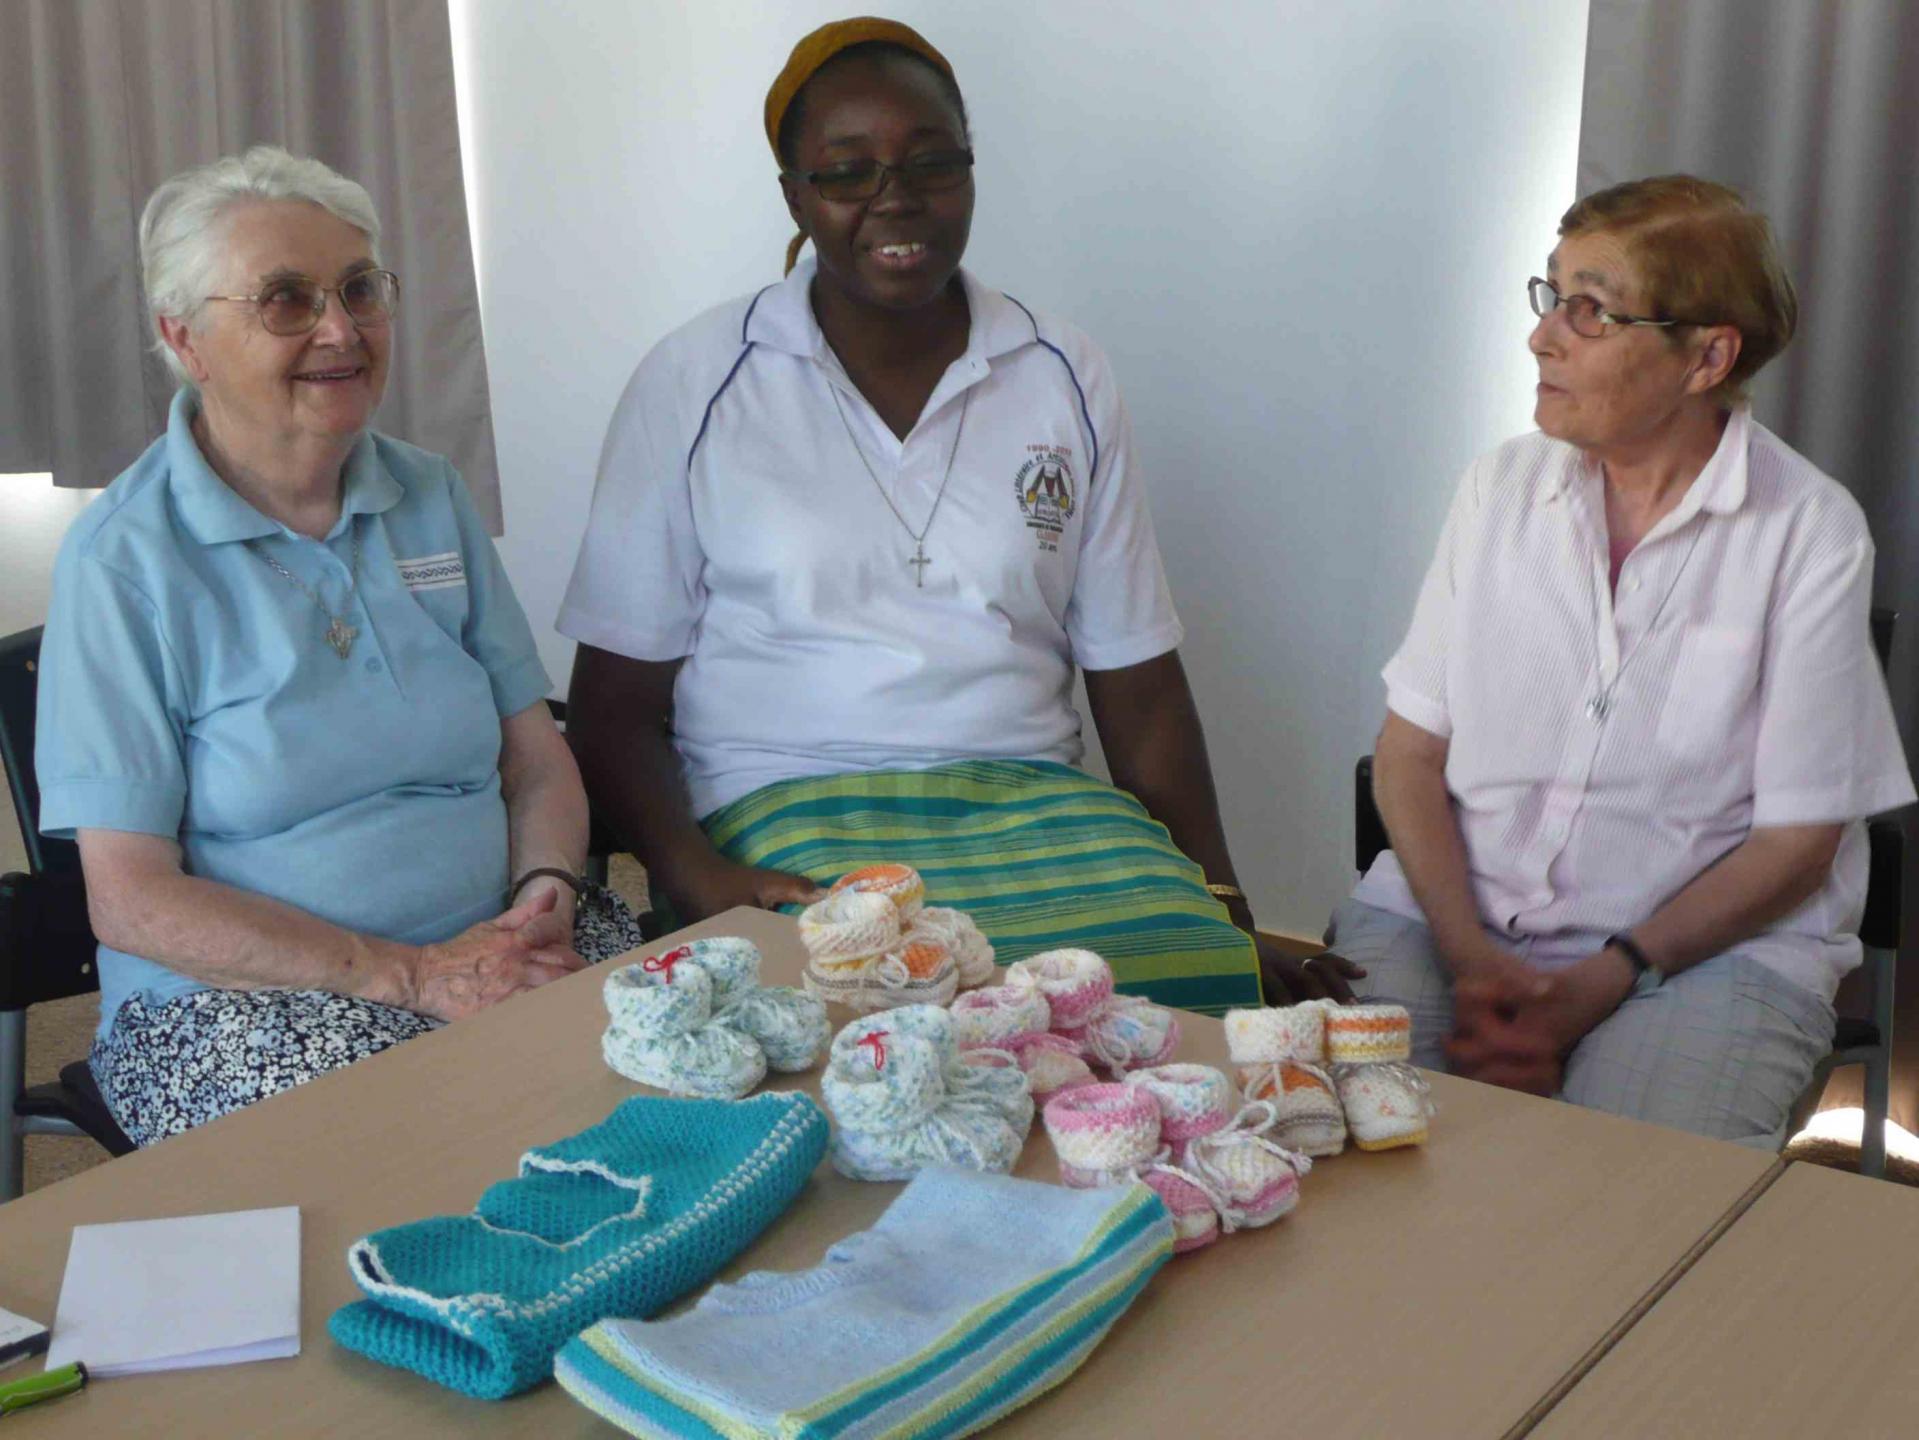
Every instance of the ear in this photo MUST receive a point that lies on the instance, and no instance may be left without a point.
(1718, 352)
(179, 338)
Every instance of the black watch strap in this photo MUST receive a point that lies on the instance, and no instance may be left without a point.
(567, 877)
(1646, 975)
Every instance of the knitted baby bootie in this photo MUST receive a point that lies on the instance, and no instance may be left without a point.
(887, 1091)
(789, 1025)
(1251, 1179)
(976, 1075)
(859, 957)
(1387, 1101)
(661, 1031)
(1118, 1032)
(1281, 1055)
(899, 883)
(1013, 1019)
(971, 951)
(1109, 1135)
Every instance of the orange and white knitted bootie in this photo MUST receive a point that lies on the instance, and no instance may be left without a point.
(1281, 1056)
(1387, 1101)
(859, 956)
(972, 952)
(899, 883)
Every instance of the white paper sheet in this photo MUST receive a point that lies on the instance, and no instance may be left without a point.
(175, 1294)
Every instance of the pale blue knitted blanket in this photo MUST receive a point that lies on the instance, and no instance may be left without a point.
(618, 1220)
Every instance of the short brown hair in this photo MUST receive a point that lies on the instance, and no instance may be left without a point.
(1705, 257)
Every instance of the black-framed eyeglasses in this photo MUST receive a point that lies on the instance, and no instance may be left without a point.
(294, 304)
(863, 179)
(1585, 314)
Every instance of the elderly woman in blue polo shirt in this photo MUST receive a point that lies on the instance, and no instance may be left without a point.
(288, 703)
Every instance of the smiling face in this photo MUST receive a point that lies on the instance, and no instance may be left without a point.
(1600, 394)
(259, 389)
(900, 249)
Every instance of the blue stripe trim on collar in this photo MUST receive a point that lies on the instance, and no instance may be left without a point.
(746, 348)
(1078, 389)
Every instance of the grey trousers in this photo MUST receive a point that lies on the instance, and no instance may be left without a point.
(1723, 1049)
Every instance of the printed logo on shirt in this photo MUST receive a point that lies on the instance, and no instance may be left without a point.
(433, 572)
(1045, 492)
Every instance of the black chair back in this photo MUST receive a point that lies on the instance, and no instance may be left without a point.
(47, 949)
(19, 687)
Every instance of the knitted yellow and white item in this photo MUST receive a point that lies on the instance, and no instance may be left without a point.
(899, 883)
(1281, 1057)
(1387, 1101)
(954, 929)
(858, 956)
(849, 930)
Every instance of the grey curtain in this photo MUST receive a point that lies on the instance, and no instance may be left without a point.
(100, 100)
(1811, 107)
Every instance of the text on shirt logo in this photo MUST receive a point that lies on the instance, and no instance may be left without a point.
(433, 572)
(1044, 489)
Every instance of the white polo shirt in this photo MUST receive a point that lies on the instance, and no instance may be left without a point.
(735, 523)
(1607, 749)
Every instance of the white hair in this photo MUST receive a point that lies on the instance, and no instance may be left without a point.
(183, 234)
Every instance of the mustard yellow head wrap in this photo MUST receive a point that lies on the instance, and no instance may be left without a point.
(818, 48)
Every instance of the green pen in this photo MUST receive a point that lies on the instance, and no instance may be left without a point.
(51, 1385)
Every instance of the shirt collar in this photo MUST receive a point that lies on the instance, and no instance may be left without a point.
(215, 514)
(781, 318)
(1718, 489)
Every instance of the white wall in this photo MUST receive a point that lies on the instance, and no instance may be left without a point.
(1300, 230)
(33, 517)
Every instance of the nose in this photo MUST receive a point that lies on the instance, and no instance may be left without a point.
(1545, 339)
(896, 195)
(336, 327)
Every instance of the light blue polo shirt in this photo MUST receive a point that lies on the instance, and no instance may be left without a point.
(187, 690)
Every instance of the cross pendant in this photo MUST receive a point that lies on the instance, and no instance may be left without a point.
(919, 562)
(341, 636)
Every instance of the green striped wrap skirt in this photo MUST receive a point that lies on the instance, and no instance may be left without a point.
(1040, 855)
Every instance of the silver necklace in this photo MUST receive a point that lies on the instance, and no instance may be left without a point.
(339, 634)
(1600, 706)
(920, 559)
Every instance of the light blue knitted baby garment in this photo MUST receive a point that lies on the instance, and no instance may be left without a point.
(618, 1220)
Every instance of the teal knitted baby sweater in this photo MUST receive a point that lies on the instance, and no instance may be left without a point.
(618, 1220)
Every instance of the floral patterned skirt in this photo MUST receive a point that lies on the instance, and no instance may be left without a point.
(168, 1066)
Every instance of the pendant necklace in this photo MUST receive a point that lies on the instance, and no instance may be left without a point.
(920, 560)
(339, 634)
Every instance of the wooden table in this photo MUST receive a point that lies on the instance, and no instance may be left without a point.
(1435, 1292)
(1802, 1320)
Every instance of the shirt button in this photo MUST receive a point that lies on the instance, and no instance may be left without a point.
(1633, 584)
(374, 667)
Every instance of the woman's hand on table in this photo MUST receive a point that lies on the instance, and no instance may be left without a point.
(1288, 979)
(523, 949)
(720, 884)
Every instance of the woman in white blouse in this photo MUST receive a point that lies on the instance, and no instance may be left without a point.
(1636, 724)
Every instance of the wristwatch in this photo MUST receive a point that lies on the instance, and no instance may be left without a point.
(1647, 977)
